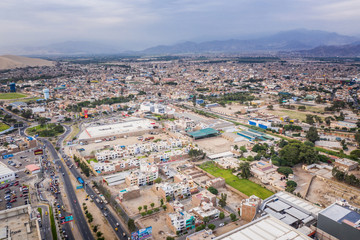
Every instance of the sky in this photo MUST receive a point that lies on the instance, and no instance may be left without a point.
(138, 24)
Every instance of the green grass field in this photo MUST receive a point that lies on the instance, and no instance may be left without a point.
(3, 126)
(243, 185)
(11, 95)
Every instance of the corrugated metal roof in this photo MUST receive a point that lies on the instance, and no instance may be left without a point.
(296, 213)
(267, 228)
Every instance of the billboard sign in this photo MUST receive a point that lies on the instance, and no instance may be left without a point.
(142, 234)
(38, 152)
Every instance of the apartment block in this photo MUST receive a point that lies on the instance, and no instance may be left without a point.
(143, 176)
(180, 221)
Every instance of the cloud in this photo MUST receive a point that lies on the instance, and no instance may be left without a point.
(142, 23)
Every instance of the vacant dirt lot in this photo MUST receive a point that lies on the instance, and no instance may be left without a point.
(233, 200)
(147, 197)
(158, 222)
(214, 144)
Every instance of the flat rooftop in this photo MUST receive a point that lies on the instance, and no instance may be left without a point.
(128, 126)
(265, 228)
(339, 214)
(18, 223)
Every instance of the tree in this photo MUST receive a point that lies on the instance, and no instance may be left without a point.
(145, 207)
(282, 143)
(328, 121)
(158, 180)
(206, 220)
(309, 119)
(170, 238)
(211, 226)
(233, 217)
(245, 170)
(270, 107)
(194, 100)
(301, 108)
(213, 190)
(152, 205)
(222, 200)
(222, 215)
(161, 202)
(236, 147)
(312, 135)
(168, 198)
(357, 138)
(140, 207)
(344, 145)
(285, 170)
(291, 186)
(131, 225)
(243, 149)
(164, 207)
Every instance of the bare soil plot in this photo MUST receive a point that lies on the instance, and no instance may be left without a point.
(160, 229)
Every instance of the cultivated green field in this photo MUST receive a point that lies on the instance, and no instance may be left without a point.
(243, 185)
(3, 127)
(11, 95)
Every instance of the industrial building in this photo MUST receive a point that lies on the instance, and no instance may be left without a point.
(129, 127)
(203, 133)
(339, 221)
(291, 210)
(19, 223)
(264, 228)
(6, 174)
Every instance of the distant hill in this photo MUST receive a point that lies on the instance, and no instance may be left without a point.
(349, 50)
(11, 61)
(300, 39)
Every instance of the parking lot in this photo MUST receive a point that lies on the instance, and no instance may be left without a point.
(21, 159)
(13, 194)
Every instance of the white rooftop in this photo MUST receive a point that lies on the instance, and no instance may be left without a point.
(299, 202)
(265, 228)
(4, 170)
(128, 126)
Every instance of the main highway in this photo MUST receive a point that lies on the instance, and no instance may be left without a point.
(113, 221)
(77, 213)
(79, 217)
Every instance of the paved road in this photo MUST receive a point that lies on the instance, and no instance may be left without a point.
(75, 206)
(45, 229)
(110, 217)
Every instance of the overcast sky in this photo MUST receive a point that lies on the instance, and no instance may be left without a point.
(136, 24)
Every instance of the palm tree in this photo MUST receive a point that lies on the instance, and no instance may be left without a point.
(245, 170)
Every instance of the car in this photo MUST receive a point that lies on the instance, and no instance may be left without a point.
(221, 224)
(74, 201)
(105, 214)
(13, 200)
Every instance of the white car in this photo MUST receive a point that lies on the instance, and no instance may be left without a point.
(221, 224)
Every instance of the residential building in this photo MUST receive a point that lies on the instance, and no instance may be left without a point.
(180, 221)
(146, 175)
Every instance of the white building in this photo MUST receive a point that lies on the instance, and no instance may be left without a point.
(6, 174)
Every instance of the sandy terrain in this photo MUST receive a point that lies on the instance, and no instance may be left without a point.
(10, 61)
(233, 200)
(214, 144)
(147, 196)
(158, 222)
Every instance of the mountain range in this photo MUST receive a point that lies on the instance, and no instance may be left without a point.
(299, 41)
(293, 40)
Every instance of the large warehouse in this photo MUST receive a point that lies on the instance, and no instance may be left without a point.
(6, 174)
(129, 127)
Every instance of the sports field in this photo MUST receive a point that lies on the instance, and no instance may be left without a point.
(11, 95)
(243, 185)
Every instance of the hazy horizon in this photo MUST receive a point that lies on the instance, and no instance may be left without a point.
(138, 24)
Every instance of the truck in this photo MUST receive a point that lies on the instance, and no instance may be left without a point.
(98, 141)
